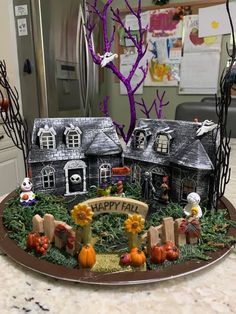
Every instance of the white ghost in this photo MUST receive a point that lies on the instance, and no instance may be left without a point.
(107, 58)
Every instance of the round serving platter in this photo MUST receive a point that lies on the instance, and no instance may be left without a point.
(118, 278)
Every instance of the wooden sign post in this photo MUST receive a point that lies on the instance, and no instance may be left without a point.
(115, 204)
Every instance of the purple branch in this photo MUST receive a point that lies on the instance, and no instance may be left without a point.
(158, 108)
(145, 71)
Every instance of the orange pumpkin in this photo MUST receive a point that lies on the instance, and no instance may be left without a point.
(169, 245)
(41, 244)
(87, 256)
(138, 257)
(172, 254)
(31, 239)
(158, 254)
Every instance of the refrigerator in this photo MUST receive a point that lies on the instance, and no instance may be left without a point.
(57, 75)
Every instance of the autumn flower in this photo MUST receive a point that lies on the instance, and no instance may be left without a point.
(82, 214)
(134, 223)
(194, 211)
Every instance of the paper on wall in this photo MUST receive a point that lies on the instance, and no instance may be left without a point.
(193, 42)
(214, 20)
(203, 77)
(165, 23)
(126, 63)
(131, 21)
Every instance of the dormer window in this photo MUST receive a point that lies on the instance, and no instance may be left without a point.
(141, 136)
(162, 143)
(47, 138)
(73, 136)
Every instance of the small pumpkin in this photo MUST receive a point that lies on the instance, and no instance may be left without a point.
(172, 254)
(138, 257)
(41, 244)
(125, 259)
(87, 256)
(31, 239)
(169, 245)
(158, 254)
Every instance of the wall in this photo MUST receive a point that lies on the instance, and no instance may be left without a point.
(118, 104)
(8, 50)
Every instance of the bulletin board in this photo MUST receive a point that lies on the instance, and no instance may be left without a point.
(192, 8)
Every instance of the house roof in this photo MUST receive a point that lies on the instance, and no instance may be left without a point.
(98, 137)
(184, 144)
(193, 156)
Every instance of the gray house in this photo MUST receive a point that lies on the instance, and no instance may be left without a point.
(69, 155)
(161, 149)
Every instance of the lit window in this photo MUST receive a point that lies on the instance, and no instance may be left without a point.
(105, 173)
(48, 177)
(162, 143)
(73, 136)
(188, 186)
(47, 137)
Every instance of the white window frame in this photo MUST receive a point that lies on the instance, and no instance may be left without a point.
(73, 136)
(47, 138)
(48, 177)
(104, 173)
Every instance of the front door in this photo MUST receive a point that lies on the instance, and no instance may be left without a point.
(75, 178)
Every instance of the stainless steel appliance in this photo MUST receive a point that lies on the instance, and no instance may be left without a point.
(58, 77)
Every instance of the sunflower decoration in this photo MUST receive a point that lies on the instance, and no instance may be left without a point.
(82, 214)
(194, 211)
(134, 224)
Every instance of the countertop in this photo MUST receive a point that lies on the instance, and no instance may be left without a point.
(212, 290)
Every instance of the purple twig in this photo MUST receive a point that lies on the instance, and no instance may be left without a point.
(141, 51)
(157, 104)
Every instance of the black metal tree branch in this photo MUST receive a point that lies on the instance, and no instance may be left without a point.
(222, 170)
(13, 123)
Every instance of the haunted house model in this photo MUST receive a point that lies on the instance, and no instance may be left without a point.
(171, 149)
(69, 155)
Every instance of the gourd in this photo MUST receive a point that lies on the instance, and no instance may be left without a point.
(87, 256)
(31, 239)
(138, 257)
(125, 259)
(41, 244)
(158, 254)
(172, 254)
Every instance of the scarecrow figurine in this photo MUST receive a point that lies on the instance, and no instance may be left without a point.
(165, 190)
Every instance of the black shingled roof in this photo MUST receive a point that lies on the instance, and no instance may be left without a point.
(98, 138)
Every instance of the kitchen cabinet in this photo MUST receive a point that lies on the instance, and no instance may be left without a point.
(11, 164)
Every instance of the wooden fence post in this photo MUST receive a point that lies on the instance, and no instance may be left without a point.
(49, 226)
(180, 238)
(37, 222)
(168, 230)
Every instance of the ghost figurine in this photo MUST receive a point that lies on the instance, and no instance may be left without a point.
(107, 58)
(27, 196)
(192, 209)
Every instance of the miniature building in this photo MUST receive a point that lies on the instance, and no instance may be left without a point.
(69, 155)
(167, 148)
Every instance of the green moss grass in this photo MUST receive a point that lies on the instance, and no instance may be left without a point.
(108, 229)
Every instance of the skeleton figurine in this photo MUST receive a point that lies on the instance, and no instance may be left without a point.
(192, 209)
(147, 186)
(27, 196)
